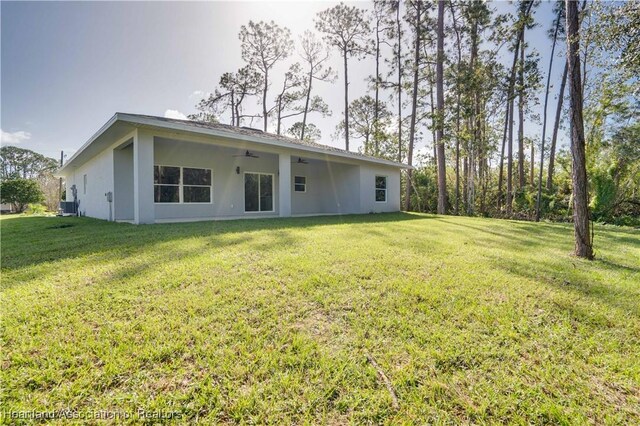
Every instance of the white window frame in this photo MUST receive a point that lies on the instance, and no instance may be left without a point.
(181, 186)
(273, 189)
(305, 184)
(376, 189)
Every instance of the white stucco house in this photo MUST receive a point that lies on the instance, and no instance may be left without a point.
(145, 169)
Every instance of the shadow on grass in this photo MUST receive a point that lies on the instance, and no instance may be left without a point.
(138, 259)
(619, 266)
(564, 273)
(526, 236)
(577, 280)
(516, 236)
(29, 241)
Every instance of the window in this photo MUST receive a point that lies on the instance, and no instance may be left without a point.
(84, 184)
(166, 181)
(181, 184)
(300, 184)
(381, 189)
(258, 192)
(197, 185)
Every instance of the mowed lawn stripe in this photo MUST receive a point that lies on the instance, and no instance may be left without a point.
(272, 321)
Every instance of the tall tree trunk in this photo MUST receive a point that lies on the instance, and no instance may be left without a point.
(474, 123)
(279, 118)
(471, 190)
(531, 166)
(510, 101)
(457, 206)
(279, 107)
(306, 105)
(346, 102)
(414, 105)
(521, 128)
(476, 152)
(556, 126)
(434, 121)
(442, 178)
(484, 177)
(264, 98)
(508, 132)
(238, 102)
(583, 247)
(510, 161)
(399, 65)
(465, 177)
(458, 96)
(233, 109)
(544, 121)
(504, 143)
(376, 113)
(521, 115)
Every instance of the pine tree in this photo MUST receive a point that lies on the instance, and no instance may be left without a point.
(263, 45)
(442, 177)
(544, 120)
(583, 247)
(315, 56)
(346, 29)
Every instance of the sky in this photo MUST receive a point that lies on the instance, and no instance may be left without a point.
(67, 67)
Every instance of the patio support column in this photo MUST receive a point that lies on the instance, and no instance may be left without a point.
(143, 208)
(284, 185)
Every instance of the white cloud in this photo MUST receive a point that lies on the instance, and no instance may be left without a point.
(173, 113)
(14, 138)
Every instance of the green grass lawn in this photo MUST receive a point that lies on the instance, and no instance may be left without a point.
(276, 321)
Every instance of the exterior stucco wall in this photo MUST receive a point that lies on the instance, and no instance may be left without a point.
(123, 183)
(343, 189)
(332, 187)
(368, 201)
(228, 186)
(99, 171)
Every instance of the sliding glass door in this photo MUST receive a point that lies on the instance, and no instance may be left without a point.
(258, 192)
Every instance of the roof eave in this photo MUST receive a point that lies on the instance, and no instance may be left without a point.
(186, 127)
(224, 134)
(95, 136)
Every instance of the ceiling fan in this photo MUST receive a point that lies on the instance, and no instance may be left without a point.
(302, 161)
(247, 154)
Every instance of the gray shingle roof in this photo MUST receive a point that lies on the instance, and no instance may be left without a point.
(120, 125)
(259, 134)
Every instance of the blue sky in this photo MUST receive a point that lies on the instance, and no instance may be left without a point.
(67, 67)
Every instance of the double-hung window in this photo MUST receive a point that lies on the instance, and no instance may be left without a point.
(300, 184)
(181, 184)
(381, 189)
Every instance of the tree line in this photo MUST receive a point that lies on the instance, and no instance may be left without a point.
(26, 177)
(468, 79)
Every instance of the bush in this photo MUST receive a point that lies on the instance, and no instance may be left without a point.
(604, 194)
(20, 193)
(36, 209)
